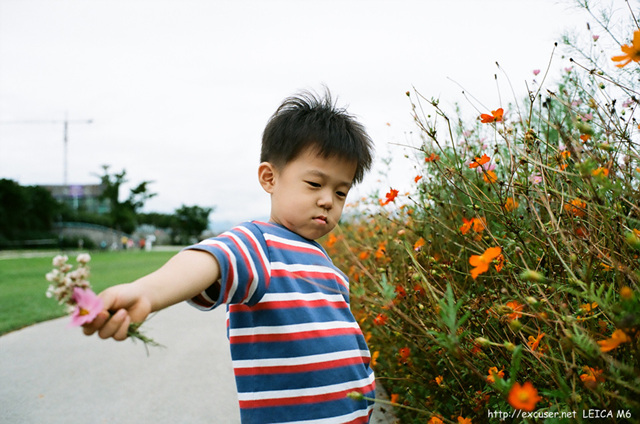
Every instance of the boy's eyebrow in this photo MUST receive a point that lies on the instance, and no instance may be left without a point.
(325, 176)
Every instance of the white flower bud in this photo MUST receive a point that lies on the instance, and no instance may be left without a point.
(60, 260)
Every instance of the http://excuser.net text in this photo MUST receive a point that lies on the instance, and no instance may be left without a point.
(586, 413)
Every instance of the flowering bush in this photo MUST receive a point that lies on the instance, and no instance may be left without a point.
(507, 279)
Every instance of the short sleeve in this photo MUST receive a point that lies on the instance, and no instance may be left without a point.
(244, 267)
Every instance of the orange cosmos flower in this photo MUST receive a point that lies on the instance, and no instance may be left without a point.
(435, 420)
(363, 255)
(478, 225)
(382, 250)
(404, 354)
(499, 262)
(534, 342)
(417, 178)
(523, 397)
(432, 158)
(591, 377)
(626, 293)
(600, 172)
(481, 262)
(618, 337)
(462, 420)
(374, 358)
(438, 380)
(496, 116)
(631, 52)
(394, 398)
(493, 373)
(516, 307)
(489, 177)
(418, 244)
(511, 204)
(576, 207)
(479, 161)
(331, 240)
(588, 308)
(390, 197)
(466, 226)
(380, 319)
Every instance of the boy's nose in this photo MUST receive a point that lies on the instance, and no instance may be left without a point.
(325, 200)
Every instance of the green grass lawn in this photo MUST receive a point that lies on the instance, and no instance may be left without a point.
(23, 284)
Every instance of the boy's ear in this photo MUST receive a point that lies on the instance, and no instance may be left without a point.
(267, 176)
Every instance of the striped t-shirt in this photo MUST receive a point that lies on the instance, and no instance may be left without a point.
(297, 350)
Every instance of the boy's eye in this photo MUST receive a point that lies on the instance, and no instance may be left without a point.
(312, 184)
(341, 194)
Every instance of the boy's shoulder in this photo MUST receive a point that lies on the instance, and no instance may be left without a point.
(279, 238)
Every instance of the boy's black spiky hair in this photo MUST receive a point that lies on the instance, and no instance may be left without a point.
(307, 120)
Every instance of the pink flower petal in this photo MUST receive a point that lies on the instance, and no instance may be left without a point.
(88, 306)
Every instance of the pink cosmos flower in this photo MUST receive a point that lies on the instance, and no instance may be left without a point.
(486, 167)
(595, 37)
(536, 71)
(88, 306)
(535, 178)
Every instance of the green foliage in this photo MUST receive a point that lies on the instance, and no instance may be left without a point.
(517, 249)
(123, 214)
(26, 212)
(190, 222)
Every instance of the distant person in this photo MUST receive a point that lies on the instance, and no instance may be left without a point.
(296, 348)
(149, 243)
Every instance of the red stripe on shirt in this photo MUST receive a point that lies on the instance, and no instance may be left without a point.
(285, 337)
(297, 400)
(292, 369)
(292, 304)
(317, 275)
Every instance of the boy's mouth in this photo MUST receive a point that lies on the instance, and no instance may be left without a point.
(320, 219)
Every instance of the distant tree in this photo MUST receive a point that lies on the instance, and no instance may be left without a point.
(158, 220)
(26, 211)
(123, 214)
(190, 222)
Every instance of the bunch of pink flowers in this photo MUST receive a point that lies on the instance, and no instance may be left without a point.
(72, 288)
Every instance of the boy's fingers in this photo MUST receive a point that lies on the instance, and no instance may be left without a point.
(113, 324)
(121, 333)
(96, 324)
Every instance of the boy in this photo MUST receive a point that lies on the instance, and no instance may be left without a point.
(297, 350)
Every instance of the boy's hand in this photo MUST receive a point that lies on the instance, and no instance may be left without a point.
(123, 305)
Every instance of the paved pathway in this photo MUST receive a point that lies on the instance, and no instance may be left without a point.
(52, 374)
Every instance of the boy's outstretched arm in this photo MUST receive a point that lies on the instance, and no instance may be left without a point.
(184, 276)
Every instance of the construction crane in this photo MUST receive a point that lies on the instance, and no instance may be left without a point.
(66, 121)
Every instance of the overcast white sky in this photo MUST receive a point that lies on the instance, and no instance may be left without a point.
(180, 90)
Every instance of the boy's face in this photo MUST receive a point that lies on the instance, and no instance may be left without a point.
(308, 193)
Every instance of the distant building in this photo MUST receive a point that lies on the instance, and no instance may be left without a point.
(81, 197)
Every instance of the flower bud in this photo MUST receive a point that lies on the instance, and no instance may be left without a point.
(515, 325)
(482, 341)
(532, 300)
(633, 240)
(509, 346)
(355, 395)
(532, 276)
